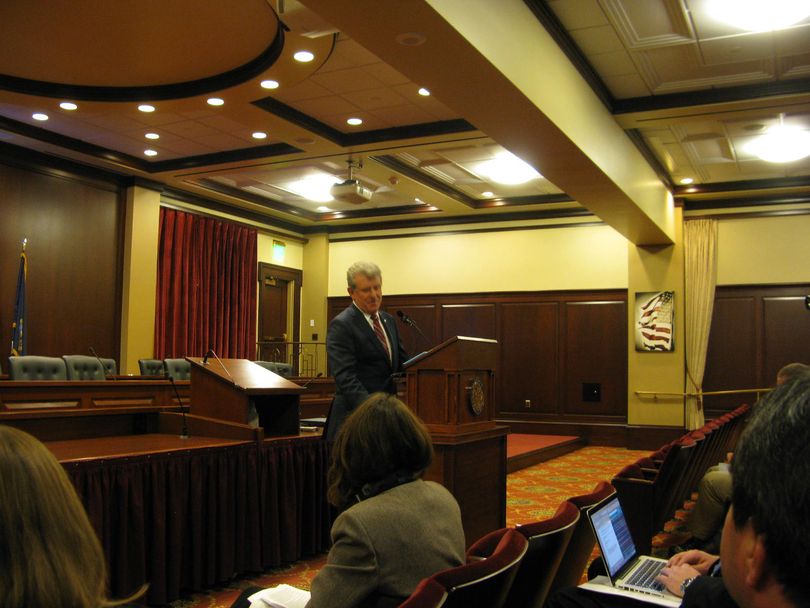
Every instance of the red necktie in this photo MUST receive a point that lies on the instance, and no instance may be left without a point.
(375, 319)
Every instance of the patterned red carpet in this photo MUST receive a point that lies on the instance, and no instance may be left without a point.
(532, 493)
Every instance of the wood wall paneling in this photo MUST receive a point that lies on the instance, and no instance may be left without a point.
(426, 318)
(475, 320)
(74, 228)
(596, 354)
(528, 377)
(786, 337)
(755, 330)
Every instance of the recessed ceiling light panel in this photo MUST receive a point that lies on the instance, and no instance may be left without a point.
(759, 16)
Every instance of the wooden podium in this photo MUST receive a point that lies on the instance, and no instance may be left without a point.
(240, 391)
(451, 388)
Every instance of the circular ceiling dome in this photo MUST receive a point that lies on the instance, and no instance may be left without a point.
(125, 50)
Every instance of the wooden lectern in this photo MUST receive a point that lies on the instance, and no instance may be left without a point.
(240, 391)
(451, 388)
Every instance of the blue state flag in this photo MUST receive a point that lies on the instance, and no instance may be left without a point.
(18, 329)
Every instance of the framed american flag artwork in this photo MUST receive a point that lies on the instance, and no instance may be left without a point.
(654, 329)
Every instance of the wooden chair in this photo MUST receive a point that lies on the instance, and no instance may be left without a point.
(485, 580)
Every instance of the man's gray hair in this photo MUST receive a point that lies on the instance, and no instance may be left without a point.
(367, 269)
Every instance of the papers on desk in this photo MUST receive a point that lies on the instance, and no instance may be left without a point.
(280, 596)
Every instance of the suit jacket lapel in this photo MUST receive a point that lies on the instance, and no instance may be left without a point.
(361, 321)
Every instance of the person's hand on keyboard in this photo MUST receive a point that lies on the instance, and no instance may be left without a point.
(699, 560)
(677, 578)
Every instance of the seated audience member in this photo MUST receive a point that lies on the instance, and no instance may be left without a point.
(714, 491)
(49, 553)
(395, 528)
(763, 552)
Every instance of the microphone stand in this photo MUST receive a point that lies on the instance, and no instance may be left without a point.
(103, 367)
(216, 356)
(408, 321)
(184, 429)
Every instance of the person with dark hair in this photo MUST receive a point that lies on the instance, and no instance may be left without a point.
(49, 553)
(763, 551)
(394, 529)
(362, 345)
(705, 521)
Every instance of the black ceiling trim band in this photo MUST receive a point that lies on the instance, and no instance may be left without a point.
(192, 162)
(178, 90)
(751, 184)
(711, 96)
(427, 129)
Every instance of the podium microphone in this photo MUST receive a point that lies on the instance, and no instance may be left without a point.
(211, 351)
(206, 355)
(103, 367)
(409, 321)
(184, 429)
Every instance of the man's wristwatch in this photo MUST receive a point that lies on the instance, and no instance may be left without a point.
(686, 583)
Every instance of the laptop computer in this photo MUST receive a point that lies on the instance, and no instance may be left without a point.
(627, 570)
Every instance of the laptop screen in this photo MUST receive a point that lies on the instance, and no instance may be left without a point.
(615, 542)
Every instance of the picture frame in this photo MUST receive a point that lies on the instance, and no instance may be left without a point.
(655, 321)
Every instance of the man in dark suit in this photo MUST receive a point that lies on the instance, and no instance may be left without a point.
(363, 346)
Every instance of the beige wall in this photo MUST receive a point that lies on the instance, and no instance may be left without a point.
(587, 257)
(293, 256)
(766, 250)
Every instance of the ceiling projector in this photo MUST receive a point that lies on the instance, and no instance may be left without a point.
(351, 191)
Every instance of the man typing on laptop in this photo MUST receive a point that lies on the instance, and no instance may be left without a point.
(763, 550)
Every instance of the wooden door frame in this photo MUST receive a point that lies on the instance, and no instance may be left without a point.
(293, 276)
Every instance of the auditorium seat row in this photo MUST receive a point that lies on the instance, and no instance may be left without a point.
(518, 566)
(655, 486)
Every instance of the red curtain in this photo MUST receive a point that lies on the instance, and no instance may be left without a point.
(206, 291)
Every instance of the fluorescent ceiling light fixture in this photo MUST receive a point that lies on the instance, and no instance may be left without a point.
(506, 168)
(269, 84)
(781, 144)
(68, 105)
(355, 121)
(145, 107)
(304, 56)
(39, 116)
(259, 135)
(150, 152)
(315, 187)
(152, 136)
(216, 101)
(424, 92)
(759, 16)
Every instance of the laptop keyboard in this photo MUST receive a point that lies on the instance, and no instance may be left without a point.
(644, 576)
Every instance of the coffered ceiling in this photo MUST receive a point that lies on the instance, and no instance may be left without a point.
(688, 91)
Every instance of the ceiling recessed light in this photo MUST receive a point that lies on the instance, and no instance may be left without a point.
(152, 136)
(355, 121)
(487, 193)
(304, 56)
(269, 84)
(39, 116)
(687, 180)
(259, 135)
(145, 107)
(68, 105)
(323, 209)
(215, 101)
(758, 16)
(424, 92)
(150, 152)
(411, 38)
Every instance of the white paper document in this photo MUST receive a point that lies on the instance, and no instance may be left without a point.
(280, 596)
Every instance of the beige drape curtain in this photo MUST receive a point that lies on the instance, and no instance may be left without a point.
(700, 246)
